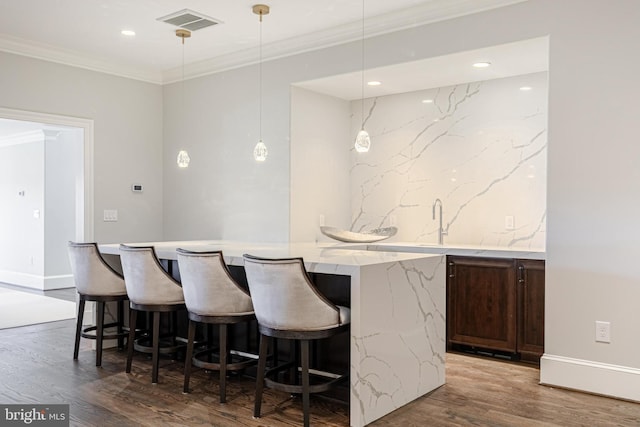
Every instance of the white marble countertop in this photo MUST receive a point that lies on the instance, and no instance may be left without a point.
(346, 254)
(460, 250)
(317, 257)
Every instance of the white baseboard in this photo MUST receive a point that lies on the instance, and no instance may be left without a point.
(59, 282)
(593, 377)
(34, 281)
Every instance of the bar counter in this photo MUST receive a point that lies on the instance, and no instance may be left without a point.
(397, 343)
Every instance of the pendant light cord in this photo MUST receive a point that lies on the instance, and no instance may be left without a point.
(182, 84)
(260, 80)
(362, 48)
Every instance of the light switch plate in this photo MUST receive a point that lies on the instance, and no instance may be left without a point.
(110, 215)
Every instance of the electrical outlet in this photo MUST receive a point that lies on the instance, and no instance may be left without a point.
(603, 332)
(509, 222)
(393, 220)
(321, 220)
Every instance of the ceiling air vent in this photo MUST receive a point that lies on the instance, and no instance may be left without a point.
(189, 20)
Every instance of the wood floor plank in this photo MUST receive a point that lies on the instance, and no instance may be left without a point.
(36, 366)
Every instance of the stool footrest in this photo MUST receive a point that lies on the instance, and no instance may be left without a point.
(197, 361)
(296, 388)
(168, 345)
(85, 332)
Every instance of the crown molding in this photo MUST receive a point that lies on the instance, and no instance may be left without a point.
(426, 13)
(43, 51)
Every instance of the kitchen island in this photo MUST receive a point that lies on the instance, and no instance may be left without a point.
(397, 334)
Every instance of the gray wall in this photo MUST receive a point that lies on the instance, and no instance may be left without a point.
(593, 183)
(127, 118)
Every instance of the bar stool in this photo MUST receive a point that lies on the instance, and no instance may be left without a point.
(289, 306)
(212, 297)
(96, 281)
(151, 289)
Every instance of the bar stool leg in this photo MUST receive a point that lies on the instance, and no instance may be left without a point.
(293, 356)
(187, 360)
(223, 363)
(99, 331)
(262, 363)
(132, 336)
(156, 347)
(120, 320)
(304, 349)
(210, 342)
(76, 348)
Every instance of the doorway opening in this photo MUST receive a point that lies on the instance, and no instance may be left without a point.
(47, 187)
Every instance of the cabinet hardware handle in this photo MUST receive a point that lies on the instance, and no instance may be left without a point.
(521, 281)
(452, 275)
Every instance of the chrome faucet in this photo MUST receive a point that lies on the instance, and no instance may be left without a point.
(441, 231)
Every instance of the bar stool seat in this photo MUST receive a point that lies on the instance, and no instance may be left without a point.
(151, 289)
(289, 306)
(96, 281)
(213, 297)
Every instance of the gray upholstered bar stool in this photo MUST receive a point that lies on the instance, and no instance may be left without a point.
(212, 297)
(96, 281)
(289, 306)
(151, 289)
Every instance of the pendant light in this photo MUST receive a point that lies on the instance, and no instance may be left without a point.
(260, 151)
(183, 157)
(363, 142)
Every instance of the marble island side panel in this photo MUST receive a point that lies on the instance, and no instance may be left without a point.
(398, 332)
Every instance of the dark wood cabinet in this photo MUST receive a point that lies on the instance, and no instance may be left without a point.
(496, 304)
(530, 293)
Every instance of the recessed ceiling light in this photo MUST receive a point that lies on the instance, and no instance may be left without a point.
(525, 88)
(482, 64)
(374, 83)
(427, 101)
(129, 33)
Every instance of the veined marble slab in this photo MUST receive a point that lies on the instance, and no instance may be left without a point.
(398, 312)
(481, 148)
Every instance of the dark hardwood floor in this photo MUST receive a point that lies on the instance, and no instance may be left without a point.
(36, 366)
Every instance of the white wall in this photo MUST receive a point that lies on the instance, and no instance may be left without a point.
(593, 181)
(481, 148)
(320, 164)
(127, 118)
(22, 193)
(63, 168)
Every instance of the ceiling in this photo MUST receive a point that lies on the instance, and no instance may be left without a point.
(86, 33)
(507, 60)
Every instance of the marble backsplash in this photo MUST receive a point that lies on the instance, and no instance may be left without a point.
(481, 148)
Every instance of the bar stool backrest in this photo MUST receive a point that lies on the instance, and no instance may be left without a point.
(284, 297)
(146, 280)
(209, 289)
(91, 273)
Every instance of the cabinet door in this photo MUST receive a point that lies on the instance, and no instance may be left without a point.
(481, 307)
(530, 309)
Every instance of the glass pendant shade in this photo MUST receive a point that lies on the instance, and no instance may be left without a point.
(260, 152)
(183, 159)
(363, 142)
